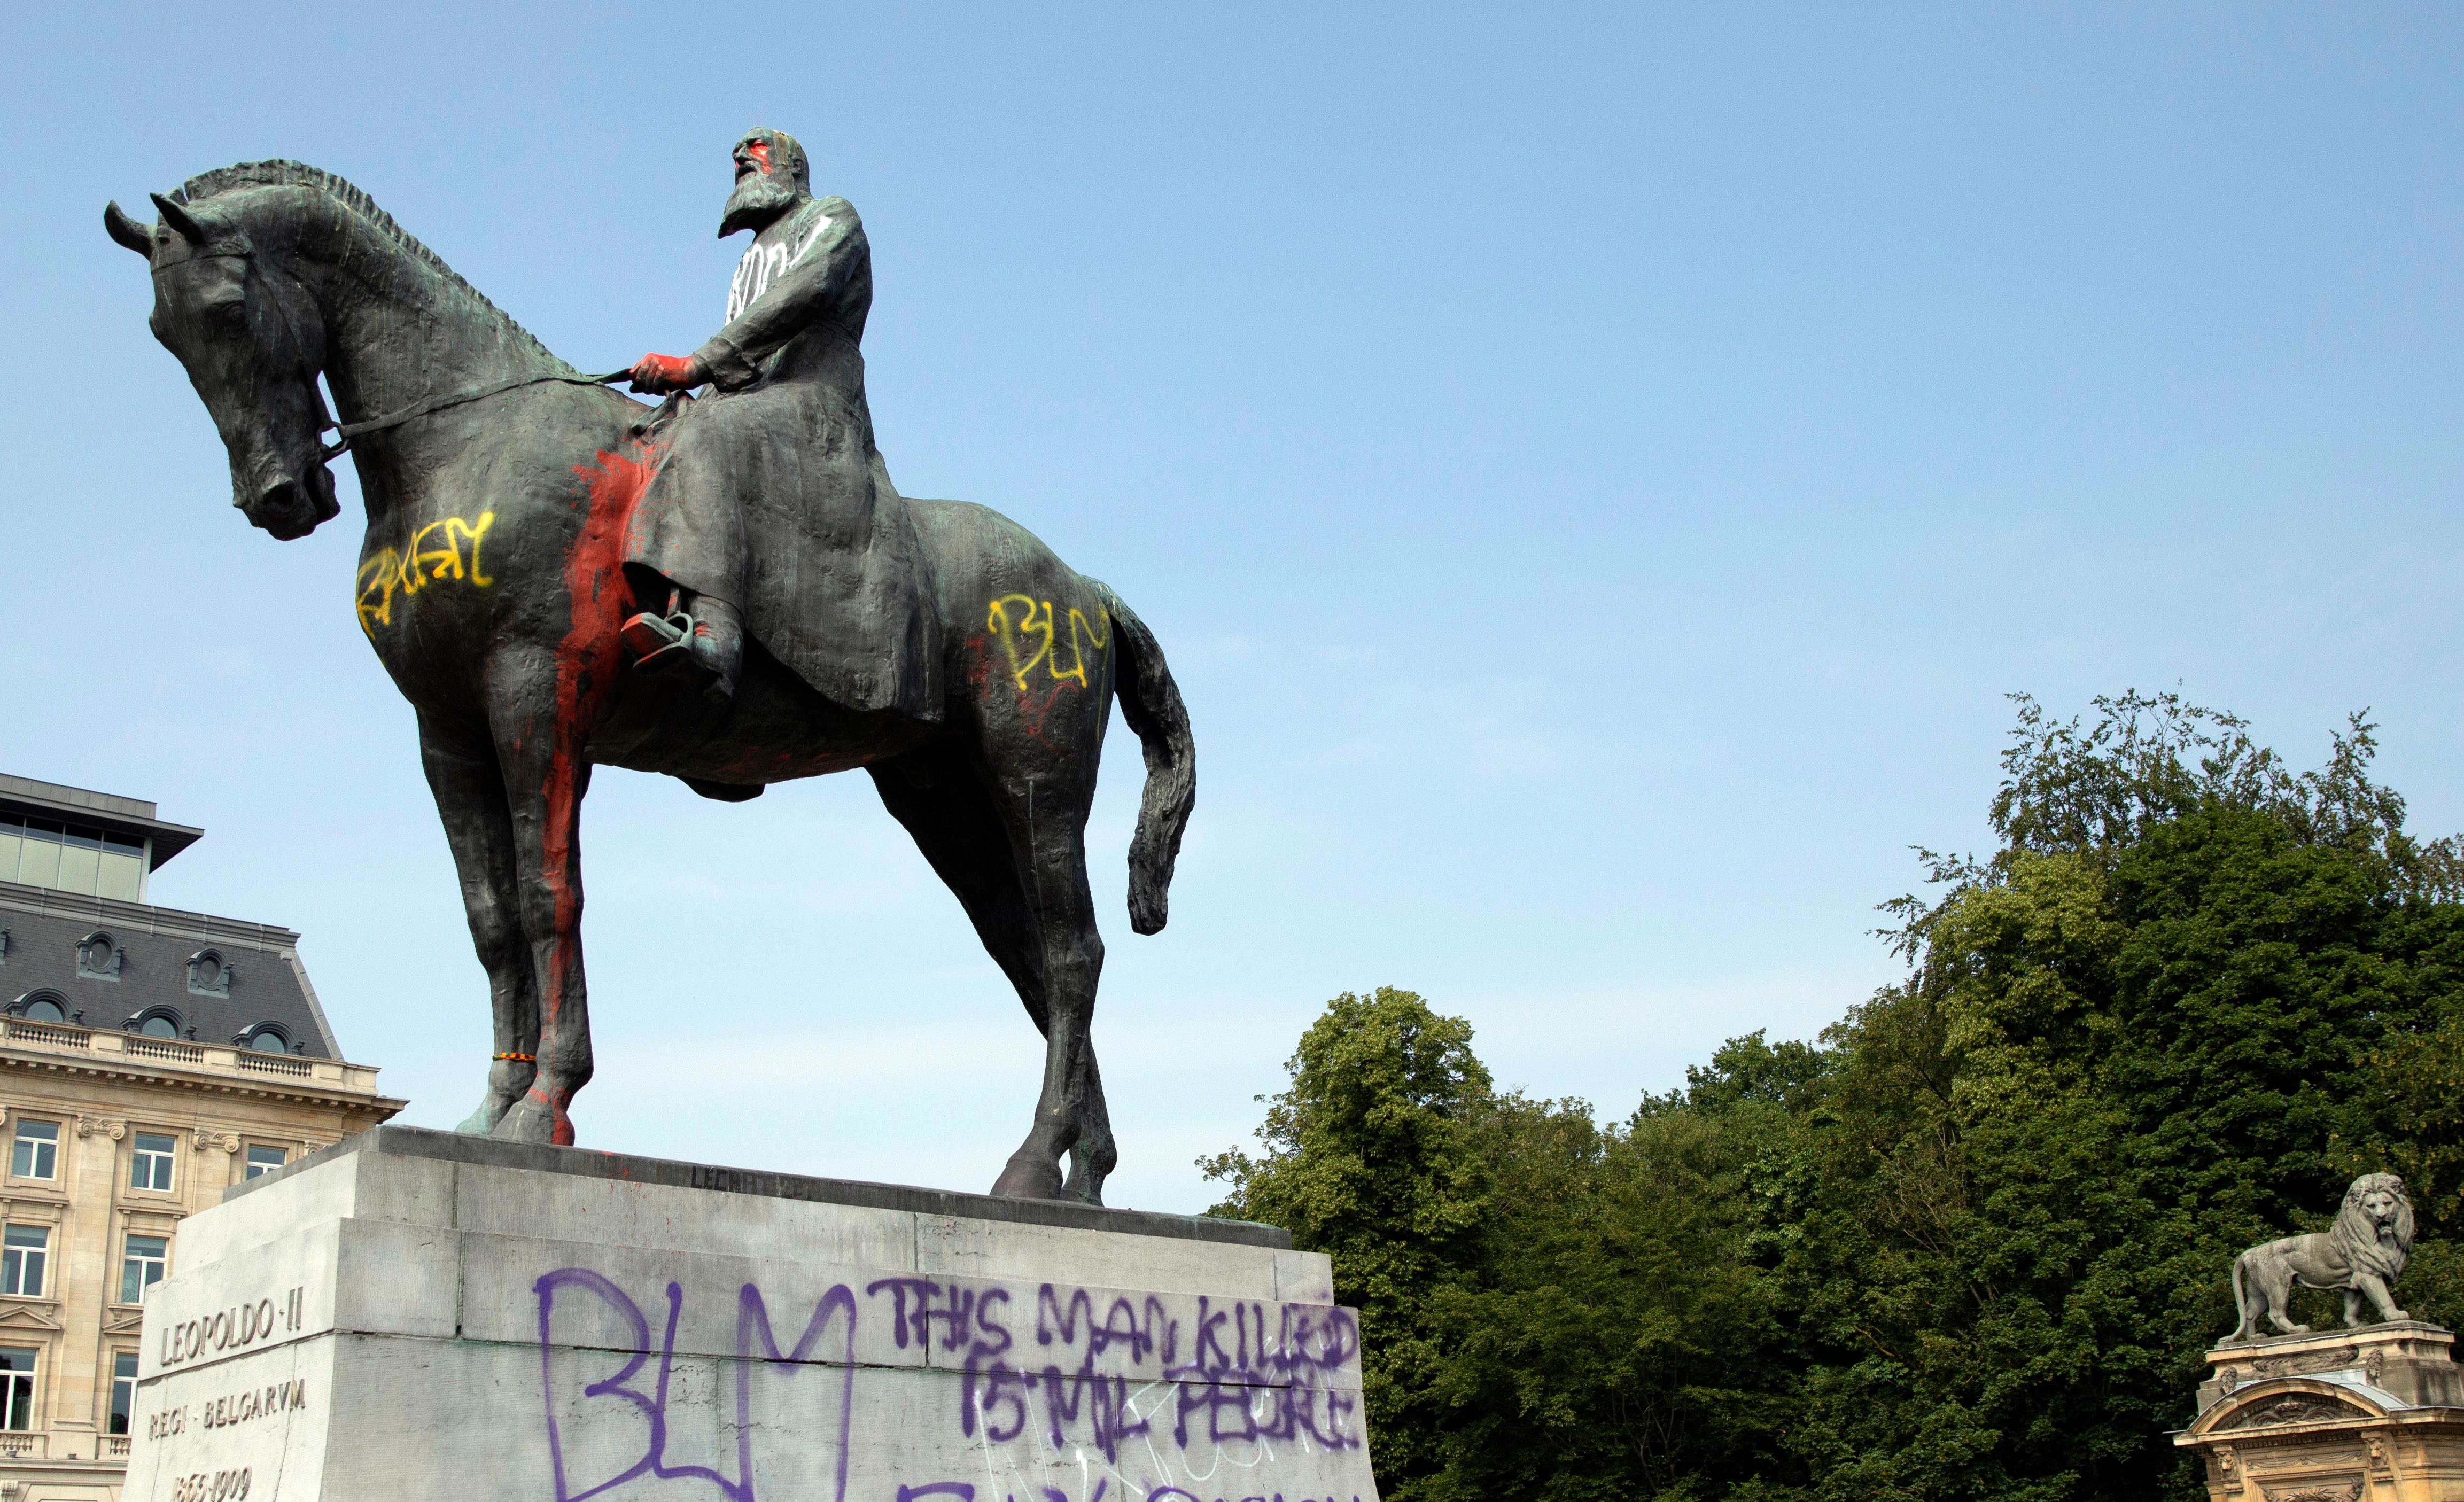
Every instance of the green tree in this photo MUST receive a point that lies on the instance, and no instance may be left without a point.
(1371, 1158)
(1972, 1244)
(2146, 1032)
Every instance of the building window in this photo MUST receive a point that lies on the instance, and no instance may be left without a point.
(123, 1390)
(68, 857)
(23, 1251)
(38, 1149)
(155, 1021)
(263, 1160)
(99, 957)
(149, 1164)
(209, 974)
(266, 1038)
(141, 1266)
(16, 1387)
(40, 1006)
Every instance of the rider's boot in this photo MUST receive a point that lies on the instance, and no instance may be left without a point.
(706, 635)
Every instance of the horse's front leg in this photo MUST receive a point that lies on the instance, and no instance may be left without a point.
(469, 790)
(539, 744)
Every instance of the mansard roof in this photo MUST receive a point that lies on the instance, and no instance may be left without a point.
(47, 931)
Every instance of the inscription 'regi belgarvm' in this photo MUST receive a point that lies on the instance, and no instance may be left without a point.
(558, 576)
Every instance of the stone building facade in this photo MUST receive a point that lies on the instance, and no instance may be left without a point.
(149, 1059)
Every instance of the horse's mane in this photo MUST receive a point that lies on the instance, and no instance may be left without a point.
(279, 174)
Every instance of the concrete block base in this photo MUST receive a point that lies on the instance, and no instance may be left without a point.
(415, 1314)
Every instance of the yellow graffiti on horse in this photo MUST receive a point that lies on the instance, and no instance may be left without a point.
(435, 551)
(1038, 621)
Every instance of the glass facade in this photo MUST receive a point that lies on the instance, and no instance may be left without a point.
(69, 857)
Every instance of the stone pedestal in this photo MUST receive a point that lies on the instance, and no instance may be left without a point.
(417, 1315)
(2367, 1415)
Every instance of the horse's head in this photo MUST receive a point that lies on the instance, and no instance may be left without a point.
(252, 339)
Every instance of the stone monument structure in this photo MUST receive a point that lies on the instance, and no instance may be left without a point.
(2372, 1413)
(413, 1315)
(729, 590)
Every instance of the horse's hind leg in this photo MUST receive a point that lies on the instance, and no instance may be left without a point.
(1052, 866)
(1092, 1157)
(470, 793)
(1049, 949)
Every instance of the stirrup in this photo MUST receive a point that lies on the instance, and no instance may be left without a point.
(658, 643)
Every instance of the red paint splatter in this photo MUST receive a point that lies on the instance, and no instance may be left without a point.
(662, 373)
(586, 664)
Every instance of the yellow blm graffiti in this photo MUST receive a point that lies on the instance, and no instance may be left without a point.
(1034, 625)
(443, 549)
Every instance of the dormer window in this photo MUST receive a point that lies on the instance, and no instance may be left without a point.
(155, 1021)
(99, 956)
(209, 974)
(265, 1038)
(40, 1006)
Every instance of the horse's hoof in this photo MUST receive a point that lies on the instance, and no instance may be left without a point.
(482, 1121)
(1028, 1178)
(1084, 1184)
(532, 1120)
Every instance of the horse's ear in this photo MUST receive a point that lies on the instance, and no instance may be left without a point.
(125, 230)
(180, 219)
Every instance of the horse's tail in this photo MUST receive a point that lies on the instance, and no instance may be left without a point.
(1150, 702)
(2241, 1301)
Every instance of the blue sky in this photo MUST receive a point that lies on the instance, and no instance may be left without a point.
(1595, 473)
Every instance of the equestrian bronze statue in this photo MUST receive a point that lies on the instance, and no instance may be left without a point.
(727, 589)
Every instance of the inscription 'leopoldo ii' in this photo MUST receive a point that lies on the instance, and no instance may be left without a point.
(234, 1329)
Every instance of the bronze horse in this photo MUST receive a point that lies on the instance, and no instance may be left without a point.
(499, 484)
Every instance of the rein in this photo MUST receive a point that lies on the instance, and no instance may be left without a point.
(344, 432)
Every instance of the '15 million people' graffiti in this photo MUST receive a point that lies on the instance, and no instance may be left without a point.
(1113, 1385)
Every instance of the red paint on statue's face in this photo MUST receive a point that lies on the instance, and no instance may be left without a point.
(586, 664)
(754, 156)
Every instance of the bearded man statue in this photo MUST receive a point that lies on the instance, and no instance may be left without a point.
(770, 509)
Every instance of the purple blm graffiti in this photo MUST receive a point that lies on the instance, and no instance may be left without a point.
(1062, 1371)
(752, 1319)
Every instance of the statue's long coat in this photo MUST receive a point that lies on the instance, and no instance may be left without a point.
(770, 493)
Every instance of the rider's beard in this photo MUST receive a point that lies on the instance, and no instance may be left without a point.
(759, 199)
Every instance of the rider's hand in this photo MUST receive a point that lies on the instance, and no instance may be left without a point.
(656, 375)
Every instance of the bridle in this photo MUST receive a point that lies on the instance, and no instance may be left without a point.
(344, 432)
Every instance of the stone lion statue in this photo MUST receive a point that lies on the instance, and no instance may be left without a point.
(2364, 1254)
